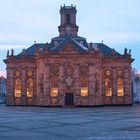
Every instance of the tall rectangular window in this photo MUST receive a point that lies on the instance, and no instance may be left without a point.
(120, 87)
(18, 87)
(29, 91)
(108, 87)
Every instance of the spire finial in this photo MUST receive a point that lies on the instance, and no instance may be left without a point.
(125, 51)
(7, 53)
(12, 52)
(129, 51)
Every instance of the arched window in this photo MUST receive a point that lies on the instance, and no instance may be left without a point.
(68, 18)
(108, 87)
(17, 87)
(120, 87)
(29, 87)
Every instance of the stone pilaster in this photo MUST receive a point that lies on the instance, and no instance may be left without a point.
(91, 85)
(23, 86)
(114, 81)
(40, 82)
(61, 85)
(77, 85)
(114, 85)
(47, 85)
(127, 85)
(10, 87)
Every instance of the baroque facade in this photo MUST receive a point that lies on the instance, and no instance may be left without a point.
(69, 71)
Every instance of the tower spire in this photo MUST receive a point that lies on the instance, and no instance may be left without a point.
(68, 20)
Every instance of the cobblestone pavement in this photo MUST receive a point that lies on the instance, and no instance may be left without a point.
(98, 123)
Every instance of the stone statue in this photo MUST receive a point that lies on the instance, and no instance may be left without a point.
(12, 52)
(129, 51)
(7, 53)
(69, 81)
(125, 51)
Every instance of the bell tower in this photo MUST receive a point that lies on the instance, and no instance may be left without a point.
(68, 20)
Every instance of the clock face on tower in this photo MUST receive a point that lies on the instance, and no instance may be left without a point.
(68, 29)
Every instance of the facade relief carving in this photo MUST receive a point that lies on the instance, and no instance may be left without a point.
(69, 72)
(97, 84)
(69, 48)
(54, 69)
(84, 70)
(69, 81)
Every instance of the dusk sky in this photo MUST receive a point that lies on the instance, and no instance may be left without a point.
(116, 22)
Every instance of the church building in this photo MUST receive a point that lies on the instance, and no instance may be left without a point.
(68, 71)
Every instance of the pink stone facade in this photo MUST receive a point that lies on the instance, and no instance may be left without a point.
(71, 64)
(68, 69)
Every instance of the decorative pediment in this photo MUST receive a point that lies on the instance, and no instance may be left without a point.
(54, 69)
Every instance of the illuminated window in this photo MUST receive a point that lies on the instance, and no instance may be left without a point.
(17, 87)
(84, 91)
(29, 91)
(108, 87)
(54, 92)
(120, 87)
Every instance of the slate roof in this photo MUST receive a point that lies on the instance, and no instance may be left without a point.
(106, 51)
(30, 52)
(59, 42)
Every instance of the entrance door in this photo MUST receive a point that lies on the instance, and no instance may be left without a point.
(68, 98)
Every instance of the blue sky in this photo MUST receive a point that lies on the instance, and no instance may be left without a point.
(117, 22)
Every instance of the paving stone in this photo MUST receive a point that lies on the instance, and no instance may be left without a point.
(97, 123)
